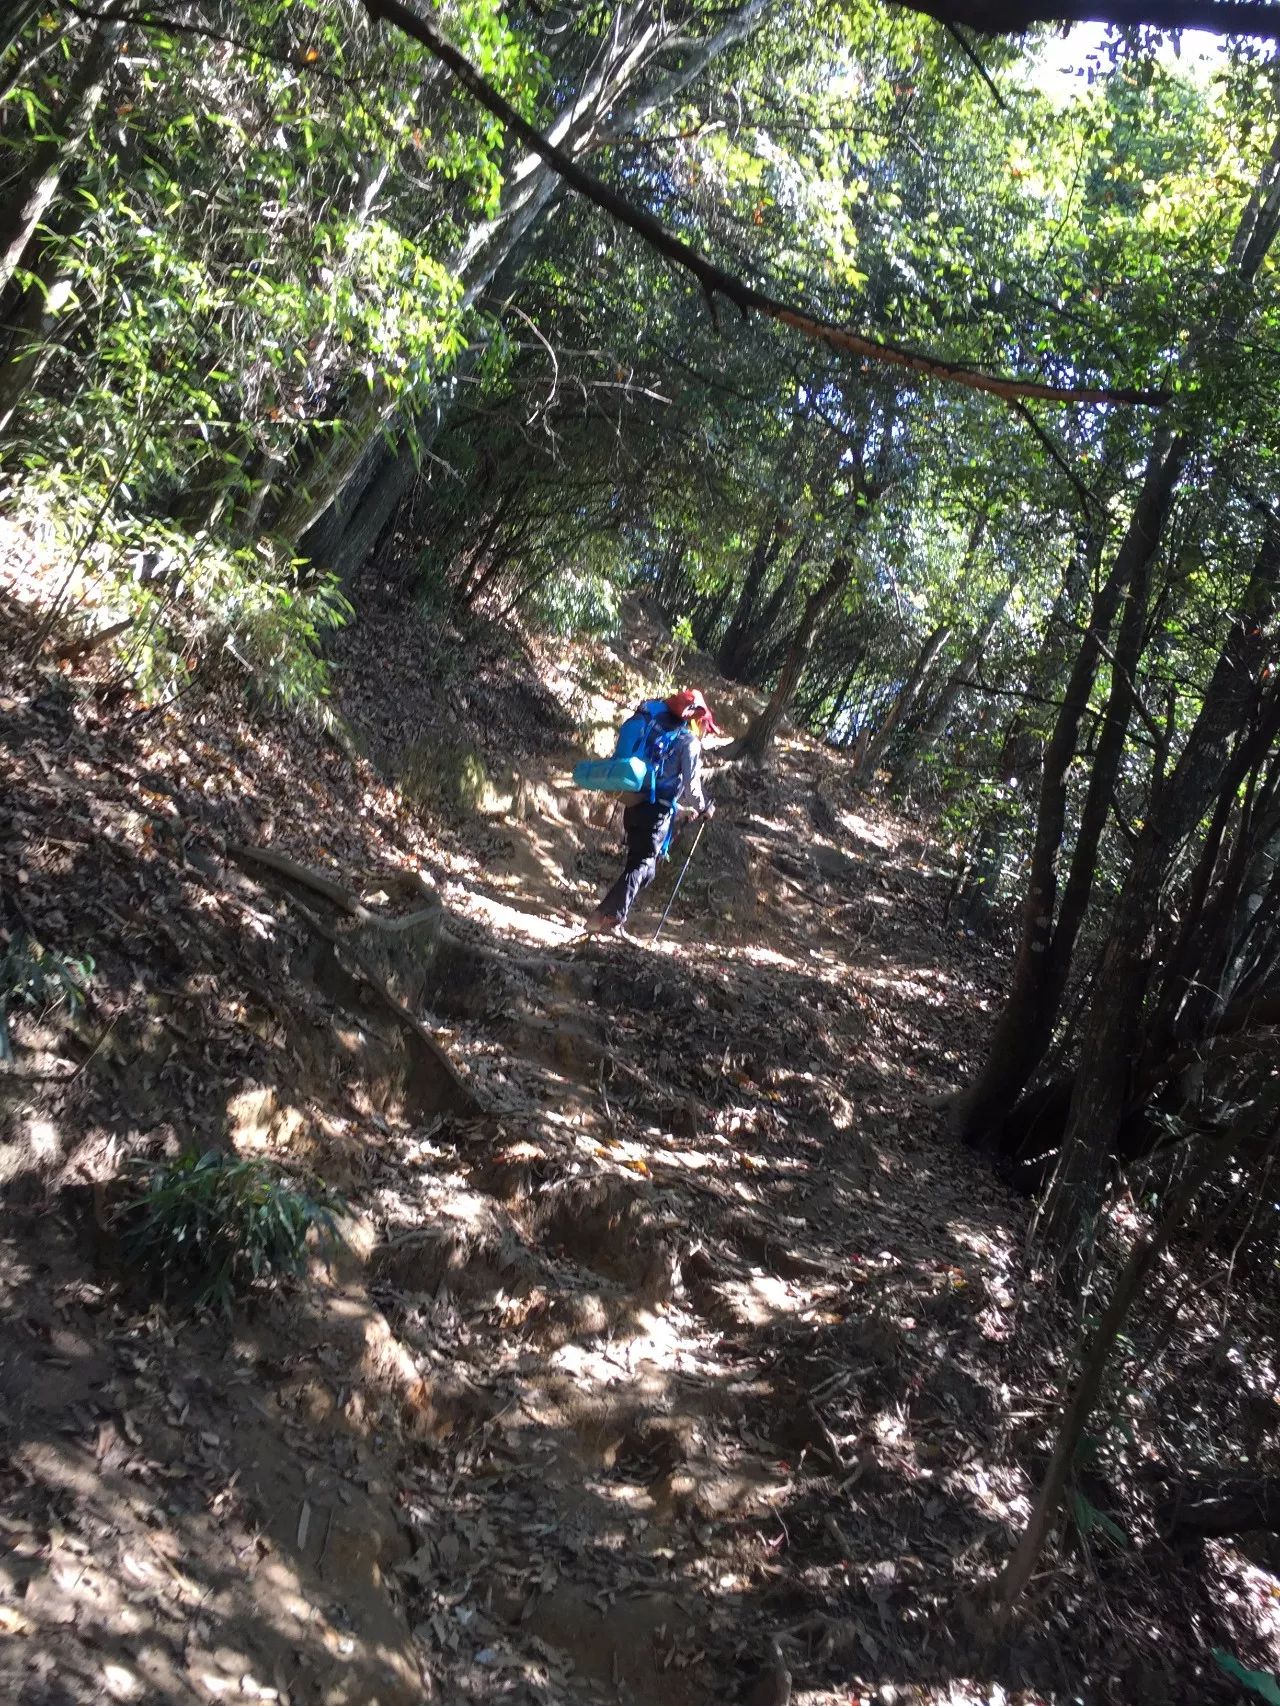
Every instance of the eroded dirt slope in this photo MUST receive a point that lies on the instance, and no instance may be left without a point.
(672, 1354)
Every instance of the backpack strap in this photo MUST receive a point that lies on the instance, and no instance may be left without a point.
(665, 743)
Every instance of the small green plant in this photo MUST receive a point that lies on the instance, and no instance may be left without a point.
(33, 977)
(209, 1225)
(682, 640)
(1088, 1518)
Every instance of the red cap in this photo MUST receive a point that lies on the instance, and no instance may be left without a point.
(690, 703)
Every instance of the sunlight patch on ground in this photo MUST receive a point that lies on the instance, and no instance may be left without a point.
(813, 962)
(39, 1148)
(1248, 1586)
(862, 829)
(760, 1300)
(655, 1340)
(513, 921)
(998, 1251)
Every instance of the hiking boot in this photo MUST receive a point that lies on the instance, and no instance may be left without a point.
(603, 924)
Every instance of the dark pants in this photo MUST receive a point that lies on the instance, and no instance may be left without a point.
(646, 825)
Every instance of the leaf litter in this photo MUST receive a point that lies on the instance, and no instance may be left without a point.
(691, 1364)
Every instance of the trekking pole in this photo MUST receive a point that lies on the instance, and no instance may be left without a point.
(676, 890)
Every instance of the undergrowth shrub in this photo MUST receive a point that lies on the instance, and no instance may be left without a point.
(208, 1226)
(36, 978)
(181, 601)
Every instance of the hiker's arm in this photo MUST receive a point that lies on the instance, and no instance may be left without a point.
(691, 795)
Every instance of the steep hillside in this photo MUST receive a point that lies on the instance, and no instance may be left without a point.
(669, 1354)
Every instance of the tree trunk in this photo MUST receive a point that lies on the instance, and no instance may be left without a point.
(27, 205)
(844, 693)
(355, 534)
(1043, 961)
(878, 743)
(739, 639)
(671, 587)
(37, 315)
(1250, 911)
(756, 742)
(1111, 1036)
(1181, 975)
(1043, 964)
(604, 99)
(933, 724)
(317, 487)
(767, 652)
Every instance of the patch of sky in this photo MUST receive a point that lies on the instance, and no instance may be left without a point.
(1064, 65)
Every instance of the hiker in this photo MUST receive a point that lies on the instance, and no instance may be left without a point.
(648, 823)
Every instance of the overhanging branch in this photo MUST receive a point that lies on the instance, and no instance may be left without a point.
(714, 281)
(1012, 17)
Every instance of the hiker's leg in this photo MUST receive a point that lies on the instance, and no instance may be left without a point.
(637, 822)
(646, 827)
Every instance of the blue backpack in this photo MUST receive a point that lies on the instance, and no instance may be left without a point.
(646, 758)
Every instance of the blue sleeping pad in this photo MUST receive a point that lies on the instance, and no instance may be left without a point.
(645, 759)
(613, 775)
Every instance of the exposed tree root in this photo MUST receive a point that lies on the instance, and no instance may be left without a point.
(440, 1086)
(268, 859)
(1212, 1506)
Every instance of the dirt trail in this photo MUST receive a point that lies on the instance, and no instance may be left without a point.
(679, 1370)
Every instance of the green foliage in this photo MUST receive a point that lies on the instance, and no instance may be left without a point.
(581, 598)
(254, 252)
(682, 631)
(683, 639)
(191, 602)
(1089, 1518)
(209, 1226)
(34, 977)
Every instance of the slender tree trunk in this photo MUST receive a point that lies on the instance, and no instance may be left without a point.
(1194, 965)
(315, 488)
(768, 650)
(1113, 729)
(1111, 1037)
(1251, 913)
(364, 480)
(1146, 1249)
(1247, 918)
(739, 637)
(878, 743)
(759, 737)
(1043, 964)
(933, 724)
(31, 347)
(27, 206)
(37, 316)
(1262, 975)
(671, 588)
(1043, 961)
